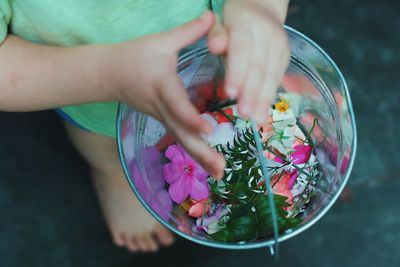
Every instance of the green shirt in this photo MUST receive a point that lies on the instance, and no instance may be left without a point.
(76, 22)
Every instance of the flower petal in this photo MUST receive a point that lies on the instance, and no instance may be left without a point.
(281, 187)
(199, 208)
(175, 153)
(172, 172)
(180, 189)
(292, 180)
(288, 136)
(222, 134)
(199, 189)
(279, 160)
(199, 172)
(282, 119)
(162, 204)
(301, 154)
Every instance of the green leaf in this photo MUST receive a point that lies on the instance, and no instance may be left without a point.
(250, 216)
(263, 212)
(243, 227)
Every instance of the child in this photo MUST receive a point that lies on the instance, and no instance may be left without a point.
(84, 56)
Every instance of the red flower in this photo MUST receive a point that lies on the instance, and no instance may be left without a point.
(198, 208)
(220, 118)
(281, 187)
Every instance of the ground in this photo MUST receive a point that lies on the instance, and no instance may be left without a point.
(49, 213)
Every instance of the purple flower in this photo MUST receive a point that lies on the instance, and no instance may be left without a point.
(210, 223)
(185, 176)
(152, 190)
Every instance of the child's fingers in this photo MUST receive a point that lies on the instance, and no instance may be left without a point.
(218, 39)
(248, 99)
(239, 52)
(266, 95)
(278, 60)
(189, 33)
(212, 162)
(249, 94)
(179, 106)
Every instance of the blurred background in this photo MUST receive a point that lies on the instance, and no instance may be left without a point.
(50, 217)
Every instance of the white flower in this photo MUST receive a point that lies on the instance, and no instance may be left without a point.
(280, 120)
(288, 136)
(222, 133)
(284, 142)
(213, 228)
(277, 144)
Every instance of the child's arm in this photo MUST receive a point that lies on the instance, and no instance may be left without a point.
(141, 73)
(255, 42)
(35, 77)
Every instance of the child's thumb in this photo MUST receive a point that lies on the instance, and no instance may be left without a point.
(189, 33)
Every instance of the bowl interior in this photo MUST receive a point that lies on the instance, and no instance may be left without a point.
(317, 92)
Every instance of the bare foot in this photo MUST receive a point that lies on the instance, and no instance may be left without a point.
(130, 224)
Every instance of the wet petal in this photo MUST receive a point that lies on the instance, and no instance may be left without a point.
(288, 136)
(172, 172)
(199, 172)
(281, 187)
(279, 160)
(175, 153)
(180, 189)
(301, 154)
(292, 180)
(222, 134)
(213, 123)
(162, 204)
(283, 119)
(199, 208)
(199, 189)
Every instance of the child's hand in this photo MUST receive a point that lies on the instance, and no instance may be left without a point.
(255, 42)
(143, 72)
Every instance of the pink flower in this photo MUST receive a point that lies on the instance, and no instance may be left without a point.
(279, 160)
(198, 208)
(185, 176)
(301, 154)
(293, 176)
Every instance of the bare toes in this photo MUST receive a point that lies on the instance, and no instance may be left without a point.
(164, 236)
(132, 245)
(151, 243)
(142, 244)
(118, 240)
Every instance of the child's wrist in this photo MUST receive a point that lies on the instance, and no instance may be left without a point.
(277, 9)
(107, 70)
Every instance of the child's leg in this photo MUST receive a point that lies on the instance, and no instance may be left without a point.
(130, 224)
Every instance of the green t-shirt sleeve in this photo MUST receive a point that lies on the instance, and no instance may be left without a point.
(5, 17)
